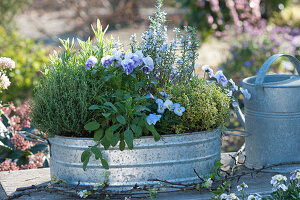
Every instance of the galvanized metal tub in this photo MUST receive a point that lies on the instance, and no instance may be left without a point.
(272, 118)
(173, 158)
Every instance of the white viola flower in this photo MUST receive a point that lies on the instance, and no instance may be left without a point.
(207, 69)
(232, 196)
(223, 196)
(246, 94)
(283, 187)
(239, 188)
(160, 106)
(221, 78)
(234, 86)
(168, 104)
(254, 197)
(159, 101)
(153, 119)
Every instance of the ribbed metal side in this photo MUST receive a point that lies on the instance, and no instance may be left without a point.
(272, 118)
(173, 158)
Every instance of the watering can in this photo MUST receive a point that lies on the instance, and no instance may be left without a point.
(272, 118)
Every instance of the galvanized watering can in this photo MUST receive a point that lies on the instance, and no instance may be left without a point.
(272, 118)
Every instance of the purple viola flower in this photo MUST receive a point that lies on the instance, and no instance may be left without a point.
(140, 57)
(246, 94)
(91, 62)
(106, 61)
(234, 86)
(135, 58)
(153, 119)
(221, 78)
(116, 57)
(128, 66)
(149, 66)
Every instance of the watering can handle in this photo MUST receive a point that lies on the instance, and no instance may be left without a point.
(264, 68)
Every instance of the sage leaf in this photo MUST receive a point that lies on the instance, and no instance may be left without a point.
(115, 139)
(84, 155)
(128, 136)
(98, 134)
(137, 130)
(96, 151)
(92, 126)
(86, 161)
(122, 145)
(104, 163)
(94, 107)
(121, 119)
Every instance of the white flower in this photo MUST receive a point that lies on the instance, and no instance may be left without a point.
(283, 187)
(207, 69)
(6, 63)
(242, 186)
(232, 196)
(168, 104)
(208, 183)
(80, 194)
(239, 188)
(223, 196)
(4, 81)
(254, 197)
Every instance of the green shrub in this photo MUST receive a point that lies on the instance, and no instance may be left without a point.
(29, 58)
(62, 97)
(207, 107)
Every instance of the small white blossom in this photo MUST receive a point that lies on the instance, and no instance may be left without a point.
(254, 197)
(232, 196)
(208, 183)
(6, 63)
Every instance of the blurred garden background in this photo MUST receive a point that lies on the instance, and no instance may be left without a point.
(236, 36)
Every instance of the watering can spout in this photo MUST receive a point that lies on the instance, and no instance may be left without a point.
(240, 116)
